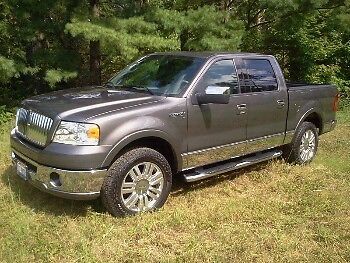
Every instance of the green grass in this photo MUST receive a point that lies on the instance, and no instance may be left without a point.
(268, 212)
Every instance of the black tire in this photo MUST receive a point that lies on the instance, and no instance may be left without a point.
(111, 189)
(291, 152)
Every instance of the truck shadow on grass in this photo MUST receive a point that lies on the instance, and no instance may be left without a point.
(38, 201)
(180, 187)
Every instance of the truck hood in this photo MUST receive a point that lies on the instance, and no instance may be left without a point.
(80, 104)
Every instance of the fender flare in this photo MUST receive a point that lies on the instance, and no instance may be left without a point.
(306, 114)
(139, 135)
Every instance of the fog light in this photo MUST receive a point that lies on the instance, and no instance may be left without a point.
(55, 180)
(13, 158)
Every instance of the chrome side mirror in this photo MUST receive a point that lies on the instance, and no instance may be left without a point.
(214, 94)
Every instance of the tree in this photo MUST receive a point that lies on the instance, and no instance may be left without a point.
(52, 44)
(205, 28)
(95, 52)
(32, 45)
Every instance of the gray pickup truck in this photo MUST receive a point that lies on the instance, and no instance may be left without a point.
(193, 115)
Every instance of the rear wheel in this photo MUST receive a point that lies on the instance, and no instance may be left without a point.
(138, 181)
(303, 148)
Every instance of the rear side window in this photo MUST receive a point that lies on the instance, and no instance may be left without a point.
(221, 74)
(258, 76)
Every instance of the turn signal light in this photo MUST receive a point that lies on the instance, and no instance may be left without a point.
(93, 132)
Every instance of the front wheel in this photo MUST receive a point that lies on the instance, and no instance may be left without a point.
(138, 181)
(303, 148)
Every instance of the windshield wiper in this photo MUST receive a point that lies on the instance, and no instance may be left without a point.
(149, 90)
(135, 88)
(110, 84)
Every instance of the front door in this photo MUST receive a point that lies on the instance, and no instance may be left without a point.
(216, 132)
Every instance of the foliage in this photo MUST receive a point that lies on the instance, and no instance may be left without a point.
(46, 45)
(55, 76)
(7, 69)
(308, 38)
(5, 115)
(202, 29)
(122, 40)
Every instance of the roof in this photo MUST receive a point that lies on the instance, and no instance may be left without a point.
(205, 54)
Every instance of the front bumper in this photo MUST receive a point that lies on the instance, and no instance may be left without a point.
(71, 184)
(64, 156)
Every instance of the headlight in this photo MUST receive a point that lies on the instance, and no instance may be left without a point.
(77, 133)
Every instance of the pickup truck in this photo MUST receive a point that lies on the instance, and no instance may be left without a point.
(189, 114)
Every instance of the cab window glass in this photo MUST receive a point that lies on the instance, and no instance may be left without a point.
(258, 76)
(221, 74)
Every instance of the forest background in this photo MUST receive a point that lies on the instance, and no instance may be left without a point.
(57, 44)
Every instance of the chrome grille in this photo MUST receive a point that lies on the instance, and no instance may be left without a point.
(33, 126)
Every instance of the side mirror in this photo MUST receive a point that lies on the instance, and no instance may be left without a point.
(214, 94)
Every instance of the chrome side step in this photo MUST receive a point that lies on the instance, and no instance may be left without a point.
(209, 171)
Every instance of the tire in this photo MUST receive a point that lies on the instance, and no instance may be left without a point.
(138, 181)
(295, 152)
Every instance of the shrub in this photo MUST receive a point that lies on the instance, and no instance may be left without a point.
(5, 115)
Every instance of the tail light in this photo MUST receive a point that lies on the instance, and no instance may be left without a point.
(336, 102)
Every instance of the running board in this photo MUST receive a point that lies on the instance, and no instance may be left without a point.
(203, 173)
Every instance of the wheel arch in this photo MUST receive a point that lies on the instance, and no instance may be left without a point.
(153, 139)
(314, 117)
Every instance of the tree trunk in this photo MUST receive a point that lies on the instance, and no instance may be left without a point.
(95, 52)
(184, 37)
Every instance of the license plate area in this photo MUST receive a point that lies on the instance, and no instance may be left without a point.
(22, 170)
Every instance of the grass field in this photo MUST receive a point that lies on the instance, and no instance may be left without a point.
(268, 212)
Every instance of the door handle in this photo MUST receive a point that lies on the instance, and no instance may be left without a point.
(241, 109)
(281, 103)
(242, 106)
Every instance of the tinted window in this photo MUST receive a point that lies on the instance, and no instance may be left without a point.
(159, 74)
(258, 76)
(223, 74)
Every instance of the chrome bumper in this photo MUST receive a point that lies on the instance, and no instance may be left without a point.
(79, 185)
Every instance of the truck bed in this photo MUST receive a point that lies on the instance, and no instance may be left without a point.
(296, 85)
(305, 97)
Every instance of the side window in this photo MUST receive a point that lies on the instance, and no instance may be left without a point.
(258, 76)
(221, 74)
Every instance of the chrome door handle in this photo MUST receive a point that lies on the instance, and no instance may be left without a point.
(242, 106)
(241, 109)
(281, 103)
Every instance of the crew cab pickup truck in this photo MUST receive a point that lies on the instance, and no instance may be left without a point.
(188, 114)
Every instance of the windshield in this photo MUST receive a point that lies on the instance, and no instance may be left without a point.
(158, 74)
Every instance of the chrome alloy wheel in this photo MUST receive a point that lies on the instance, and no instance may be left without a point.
(142, 187)
(307, 146)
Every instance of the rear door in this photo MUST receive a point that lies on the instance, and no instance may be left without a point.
(216, 132)
(266, 100)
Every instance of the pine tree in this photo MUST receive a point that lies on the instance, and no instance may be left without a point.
(51, 44)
